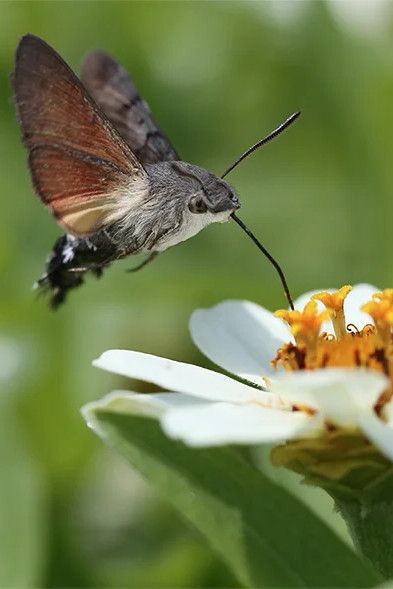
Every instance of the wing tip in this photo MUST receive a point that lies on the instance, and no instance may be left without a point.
(28, 51)
(98, 67)
(28, 40)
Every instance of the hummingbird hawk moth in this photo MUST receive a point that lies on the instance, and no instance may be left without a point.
(105, 170)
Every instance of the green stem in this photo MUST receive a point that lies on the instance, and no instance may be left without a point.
(369, 517)
(371, 528)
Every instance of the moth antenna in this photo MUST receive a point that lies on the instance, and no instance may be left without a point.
(269, 257)
(263, 141)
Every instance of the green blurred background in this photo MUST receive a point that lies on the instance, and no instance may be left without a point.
(218, 75)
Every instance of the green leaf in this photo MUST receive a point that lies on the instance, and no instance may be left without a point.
(266, 536)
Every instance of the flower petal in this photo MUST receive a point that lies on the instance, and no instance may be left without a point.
(378, 432)
(387, 412)
(182, 378)
(130, 403)
(216, 424)
(359, 295)
(338, 394)
(239, 336)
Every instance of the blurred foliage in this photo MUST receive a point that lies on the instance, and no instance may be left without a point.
(218, 75)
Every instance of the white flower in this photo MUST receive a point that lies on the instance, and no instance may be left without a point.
(206, 408)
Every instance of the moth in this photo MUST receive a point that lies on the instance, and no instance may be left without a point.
(104, 168)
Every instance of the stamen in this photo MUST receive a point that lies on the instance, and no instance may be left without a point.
(370, 347)
(386, 295)
(334, 303)
(381, 310)
(305, 325)
(352, 329)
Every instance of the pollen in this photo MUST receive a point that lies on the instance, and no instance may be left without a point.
(370, 347)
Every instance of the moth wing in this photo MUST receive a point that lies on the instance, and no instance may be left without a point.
(80, 166)
(115, 92)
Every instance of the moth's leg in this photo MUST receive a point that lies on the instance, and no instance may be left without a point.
(91, 267)
(80, 269)
(144, 263)
(96, 270)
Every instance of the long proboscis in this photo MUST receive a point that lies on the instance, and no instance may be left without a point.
(263, 141)
(259, 245)
(268, 256)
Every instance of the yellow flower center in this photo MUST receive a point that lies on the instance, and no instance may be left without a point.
(370, 347)
(342, 456)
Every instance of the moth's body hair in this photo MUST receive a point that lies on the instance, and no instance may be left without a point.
(160, 220)
(162, 212)
(68, 254)
(122, 204)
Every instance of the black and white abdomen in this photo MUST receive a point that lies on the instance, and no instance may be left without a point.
(70, 259)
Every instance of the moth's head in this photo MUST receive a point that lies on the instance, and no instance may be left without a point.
(209, 194)
(215, 197)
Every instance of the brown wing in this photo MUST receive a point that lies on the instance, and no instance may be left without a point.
(81, 168)
(114, 91)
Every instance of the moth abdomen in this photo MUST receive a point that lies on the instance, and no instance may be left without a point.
(69, 261)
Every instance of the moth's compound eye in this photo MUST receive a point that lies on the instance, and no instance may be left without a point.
(197, 204)
(234, 200)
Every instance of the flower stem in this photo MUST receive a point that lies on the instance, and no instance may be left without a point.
(372, 533)
(369, 517)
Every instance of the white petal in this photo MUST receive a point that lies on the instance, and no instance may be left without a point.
(216, 424)
(378, 432)
(338, 394)
(359, 295)
(130, 403)
(181, 377)
(387, 412)
(239, 336)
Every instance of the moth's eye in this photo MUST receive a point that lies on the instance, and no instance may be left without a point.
(197, 204)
